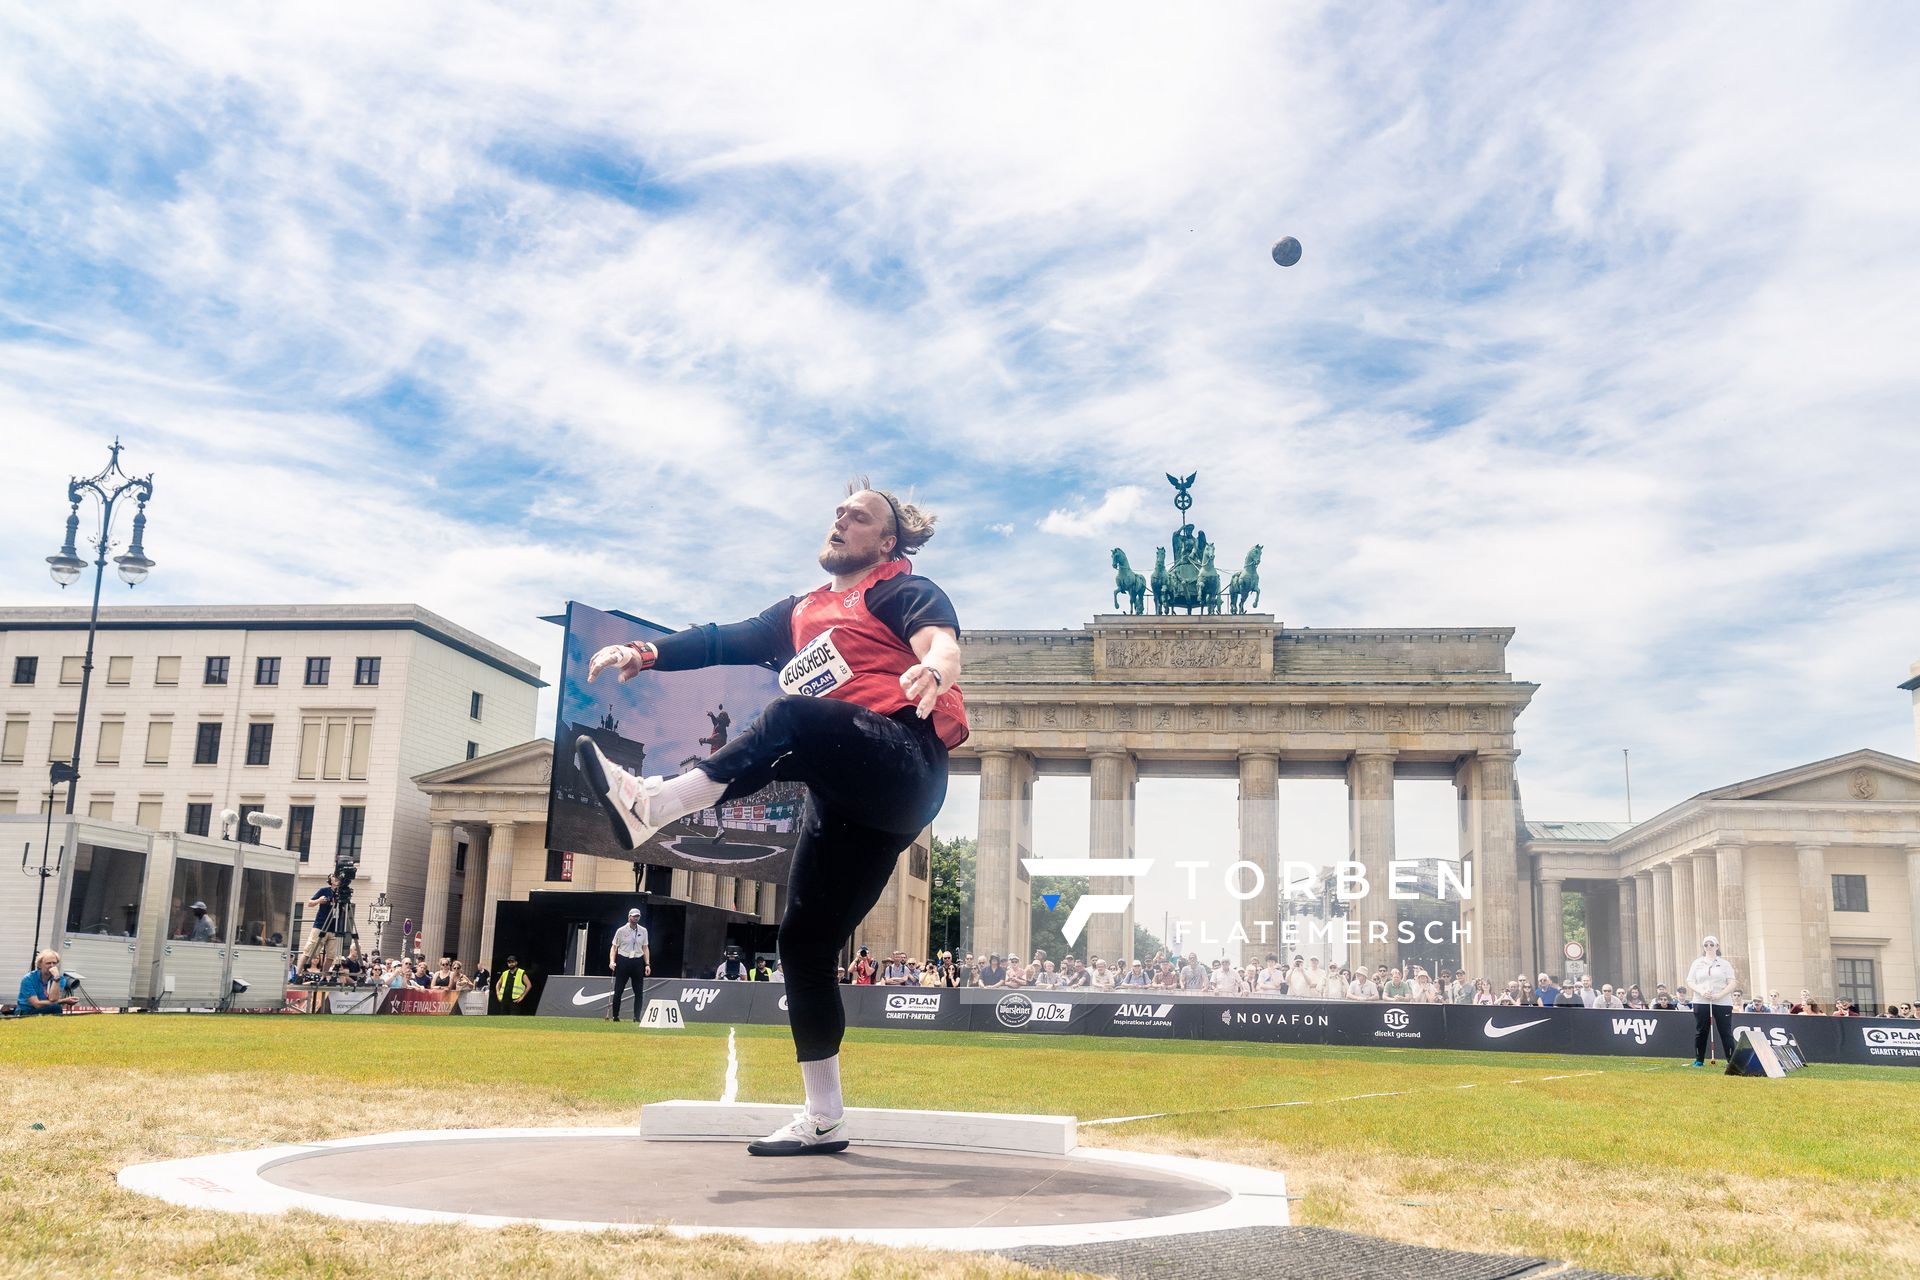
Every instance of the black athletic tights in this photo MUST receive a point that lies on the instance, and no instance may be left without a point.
(873, 783)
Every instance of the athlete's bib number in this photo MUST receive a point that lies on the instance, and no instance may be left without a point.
(816, 670)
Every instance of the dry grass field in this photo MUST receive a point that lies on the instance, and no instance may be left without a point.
(1626, 1165)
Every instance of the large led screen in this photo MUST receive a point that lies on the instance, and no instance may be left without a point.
(660, 722)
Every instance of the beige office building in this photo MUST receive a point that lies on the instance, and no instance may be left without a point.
(322, 714)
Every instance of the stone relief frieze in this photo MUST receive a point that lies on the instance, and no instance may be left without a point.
(1183, 651)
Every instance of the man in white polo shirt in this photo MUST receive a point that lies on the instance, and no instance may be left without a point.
(631, 961)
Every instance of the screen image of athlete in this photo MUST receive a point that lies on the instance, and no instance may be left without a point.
(870, 705)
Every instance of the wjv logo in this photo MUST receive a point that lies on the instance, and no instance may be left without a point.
(1094, 903)
(700, 997)
(1638, 1028)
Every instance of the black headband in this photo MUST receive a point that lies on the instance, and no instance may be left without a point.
(899, 531)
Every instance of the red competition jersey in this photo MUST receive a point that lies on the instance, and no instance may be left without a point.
(842, 651)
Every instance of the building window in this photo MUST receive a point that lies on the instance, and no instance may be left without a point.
(266, 671)
(159, 739)
(216, 671)
(366, 671)
(112, 733)
(100, 807)
(166, 671)
(147, 815)
(13, 742)
(206, 744)
(335, 747)
(26, 670)
(199, 818)
(120, 670)
(1849, 893)
(473, 707)
(319, 670)
(473, 749)
(460, 858)
(353, 823)
(1853, 981)
(300, 829)
(559, 865)
(72, 668)
(260, 743)
(248, 833)
(62, 746)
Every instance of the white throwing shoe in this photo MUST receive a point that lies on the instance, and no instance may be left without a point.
(624, 798)
(804, 1135)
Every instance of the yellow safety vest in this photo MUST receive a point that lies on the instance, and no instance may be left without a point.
(519, 977)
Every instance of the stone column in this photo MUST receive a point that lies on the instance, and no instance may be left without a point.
(1110, 835)
(1730, 861)
(746, 895)
(1496, 874)
(473, 898)
(499, 888)
(1370, 843)
(1645, 950)
(724, 890)
(680, 884)
(770, 904)
(1663, 925)
(433, 912)
(1553, 927)
(1706, 899)
(1260, 845)
(703, 885)
(994, 869)
(1913, 898)
(1629, 914)
(1686, 944)
(1816, 932)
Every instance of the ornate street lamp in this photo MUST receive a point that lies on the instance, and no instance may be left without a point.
(107, 487)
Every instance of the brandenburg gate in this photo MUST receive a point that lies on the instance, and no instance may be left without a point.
(1237, 695)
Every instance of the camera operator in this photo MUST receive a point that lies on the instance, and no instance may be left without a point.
(320, 907)
(43, 990)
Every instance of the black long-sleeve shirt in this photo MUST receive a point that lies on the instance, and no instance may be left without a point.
(905, 602)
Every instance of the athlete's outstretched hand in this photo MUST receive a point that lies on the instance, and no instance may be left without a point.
(629, 660)
(918, 682)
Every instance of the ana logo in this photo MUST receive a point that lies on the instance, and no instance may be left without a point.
(1143, 1011)
(1892, 1037)
(1397, 1019)
(1094, 903)
(913, 1006)
(700, 997)
(1638, 1028)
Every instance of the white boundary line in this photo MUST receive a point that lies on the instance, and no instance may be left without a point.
(232, 1182)
(1321, 1102)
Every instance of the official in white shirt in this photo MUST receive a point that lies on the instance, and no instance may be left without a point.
(1710, 978)
(631, 961)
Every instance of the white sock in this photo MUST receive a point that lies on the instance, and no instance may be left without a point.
(689, 793)
(822, 1079)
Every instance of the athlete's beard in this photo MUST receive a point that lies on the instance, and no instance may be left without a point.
(843, 559)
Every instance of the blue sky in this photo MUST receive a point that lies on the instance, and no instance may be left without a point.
(1603, 329)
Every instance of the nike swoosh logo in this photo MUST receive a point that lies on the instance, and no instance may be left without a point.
(1494, 1033)
(581, 997)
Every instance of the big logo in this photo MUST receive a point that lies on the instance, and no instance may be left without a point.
(700, 997)
(912, 1006)
(1639, 1028)
(1397, 1019)
(1015, 1011)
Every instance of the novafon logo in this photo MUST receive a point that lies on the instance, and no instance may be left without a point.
(700, 997)
(909, 1006)
(1639, 1028)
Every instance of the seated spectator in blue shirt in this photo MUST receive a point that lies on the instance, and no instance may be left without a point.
(42, 990)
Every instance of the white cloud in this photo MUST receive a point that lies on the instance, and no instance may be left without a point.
(1120, 507)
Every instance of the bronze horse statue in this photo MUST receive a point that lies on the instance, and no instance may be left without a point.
(1245, 584)
(1160, 581)
(1209, 582)
(1128, 583)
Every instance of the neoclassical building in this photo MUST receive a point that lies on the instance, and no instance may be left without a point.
(1810, 877)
